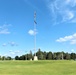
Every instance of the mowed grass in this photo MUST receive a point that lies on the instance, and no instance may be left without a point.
(48, 67)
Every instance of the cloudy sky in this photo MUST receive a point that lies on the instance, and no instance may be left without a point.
(55, 28)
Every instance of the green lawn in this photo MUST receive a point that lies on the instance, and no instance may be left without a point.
(38, 67)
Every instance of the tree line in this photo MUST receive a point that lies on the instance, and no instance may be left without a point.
(48, 56)
(43, 56)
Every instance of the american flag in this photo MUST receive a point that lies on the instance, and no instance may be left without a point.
(35, 18)
(35, 22)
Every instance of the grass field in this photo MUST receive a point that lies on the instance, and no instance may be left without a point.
(38, 67)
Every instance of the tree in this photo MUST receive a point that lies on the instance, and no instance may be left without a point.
(49, 56)
(58, 55)
(44, 55)
(0, 58)
(62, 55)
(16, 57)
(67, 56)
(73, 56)
(8, 58)
(30, 55)
(26, 57)
(54, 56)
(3, 58)
(22, 57)
(40, 55)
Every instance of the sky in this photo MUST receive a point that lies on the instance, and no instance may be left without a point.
(55, 28)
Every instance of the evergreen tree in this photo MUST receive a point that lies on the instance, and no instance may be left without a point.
(49, 56)
(73, 56)
(44, 55)
(40, 55)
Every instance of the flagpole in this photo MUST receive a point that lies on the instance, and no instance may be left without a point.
(35, 57)
(35, 32)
